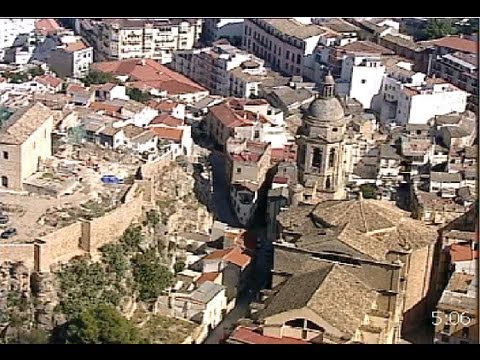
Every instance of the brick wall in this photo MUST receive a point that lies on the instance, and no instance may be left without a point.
(17, 253)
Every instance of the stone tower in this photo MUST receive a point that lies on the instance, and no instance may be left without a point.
(321, 147)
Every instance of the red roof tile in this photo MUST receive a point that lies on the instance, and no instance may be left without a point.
(249, 336)
(49, 80)
(167, 133)
(99, 106)
(457, 43)
(47, 26)
(211, 276)
(462, 252)
(165, 106)
(166, 119)
(235, 255)
(75, 46)
(147, 73)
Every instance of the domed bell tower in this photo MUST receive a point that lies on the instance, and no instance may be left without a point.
(321, 147)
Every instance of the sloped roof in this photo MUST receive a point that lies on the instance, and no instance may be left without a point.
(249, 336)
(333, 292)
(23, 123)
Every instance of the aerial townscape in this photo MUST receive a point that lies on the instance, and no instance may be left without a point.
(239, 181)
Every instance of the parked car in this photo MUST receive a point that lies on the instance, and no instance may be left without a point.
(7, 234)
(4, 219)
(111, 179)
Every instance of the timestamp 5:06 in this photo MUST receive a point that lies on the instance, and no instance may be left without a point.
(453, 318)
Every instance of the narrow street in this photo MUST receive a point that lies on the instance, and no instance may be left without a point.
(222, 208)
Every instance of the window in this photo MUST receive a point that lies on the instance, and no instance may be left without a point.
(335, 129)
(317, 157)
(331, 161)
(446, 329)
(328, 183)
(293, 57)
(465, 332)
(363, 81)
(4, 181)
(5, 155)
(239, 170)
(299, 59)
(257, 134)
(287, 54)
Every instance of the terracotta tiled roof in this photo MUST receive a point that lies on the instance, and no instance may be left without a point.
(167, 133)
(166, 119)
(73, 88)
(165, 106)
(462, 252)
(235, 255)
(457, 43)
(49, 80)
(47, 26)
(75, 46)
(211, 276)
(249, 336)
(147, 73)
(99, 106)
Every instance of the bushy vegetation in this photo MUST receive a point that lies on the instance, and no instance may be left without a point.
(102, 324)
(99, 77)
(139, 95)
(151, 277)
(369, 191)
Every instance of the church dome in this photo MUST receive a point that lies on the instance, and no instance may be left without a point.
(326, 109)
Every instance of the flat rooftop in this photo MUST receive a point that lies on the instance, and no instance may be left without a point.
(295, 28)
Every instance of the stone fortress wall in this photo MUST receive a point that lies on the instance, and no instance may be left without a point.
(82, 237)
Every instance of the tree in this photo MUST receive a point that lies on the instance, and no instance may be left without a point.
(368, 191)
(437, 28)
(113, 256)
(99, 77)
(34, 336)
(102, 324)
(131, 238)
(36, 71)
(153, 218)
(179, 266)
(138, 95)
(151, 277)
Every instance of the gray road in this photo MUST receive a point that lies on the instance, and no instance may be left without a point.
(222, 208)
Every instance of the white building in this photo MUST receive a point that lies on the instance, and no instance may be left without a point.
(287, 45)
(11, 28)
(408, 97)
(119, 39)
(224, 70)
(216, 28)
(72, 58)
(204, 305)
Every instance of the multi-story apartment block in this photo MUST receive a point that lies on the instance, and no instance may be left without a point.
(408, 97)
(225, 70)
(120, 39)
(287, 45)
(216, 28)
(25, 140)
(11, 28)
(460, 69)
(72, 58)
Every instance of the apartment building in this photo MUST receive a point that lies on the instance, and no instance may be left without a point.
(409, 97)
(226, 70)
(11, 28)
(118, 39)
(72, 58)
(460, 69)
(217, 28)
(287, 45)
(25, 140)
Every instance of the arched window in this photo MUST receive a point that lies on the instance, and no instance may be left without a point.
(328, 183)
(312, 326)
(331, 160)
(317, 158)
(4, 181)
